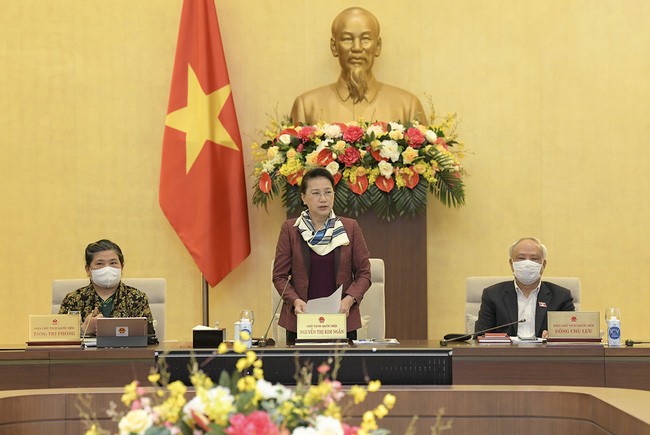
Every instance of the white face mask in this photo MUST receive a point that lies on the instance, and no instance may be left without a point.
(106, 277)
(527, 271)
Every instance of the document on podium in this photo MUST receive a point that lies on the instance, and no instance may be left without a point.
(327, 305)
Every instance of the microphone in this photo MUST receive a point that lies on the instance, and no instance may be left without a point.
(632, 342)
(462, 337)
(264, 341)
(83, 336)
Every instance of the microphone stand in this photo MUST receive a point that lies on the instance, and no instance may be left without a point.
(262, 342)
(444, 342)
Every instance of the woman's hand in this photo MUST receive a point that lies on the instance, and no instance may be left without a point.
(299, 306)
(89, 326)
(346, 304)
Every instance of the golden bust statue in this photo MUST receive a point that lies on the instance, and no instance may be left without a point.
(356, 94)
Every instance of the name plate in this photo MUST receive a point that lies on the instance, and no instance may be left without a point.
(54, 327)
(322, 326)
(574, 325)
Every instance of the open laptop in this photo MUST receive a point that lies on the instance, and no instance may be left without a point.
(121, 332)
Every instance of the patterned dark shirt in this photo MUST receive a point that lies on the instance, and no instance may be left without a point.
(127, 302)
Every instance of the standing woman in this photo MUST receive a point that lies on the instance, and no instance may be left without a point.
(318, 252)
(106, 295)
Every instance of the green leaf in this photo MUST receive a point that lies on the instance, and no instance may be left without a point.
(291, 198)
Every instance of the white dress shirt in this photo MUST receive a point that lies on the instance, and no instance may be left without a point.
(526, 307)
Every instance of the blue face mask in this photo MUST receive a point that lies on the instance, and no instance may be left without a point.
(106, 277)
(527, 271)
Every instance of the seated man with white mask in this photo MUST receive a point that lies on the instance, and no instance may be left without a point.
(106, 295)
(527, 297)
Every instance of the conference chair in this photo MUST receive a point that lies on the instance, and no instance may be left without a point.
(476, 284)
(154, 288)
(372, 308)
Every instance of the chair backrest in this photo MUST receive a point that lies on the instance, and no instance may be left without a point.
(372, 306)
(154, 288)
(476, 284)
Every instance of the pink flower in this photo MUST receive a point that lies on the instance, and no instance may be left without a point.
(350, 156)
(352, 134)
(349, 430)
(414, 137)
(255, 423)
(323, 368)
(306, 133)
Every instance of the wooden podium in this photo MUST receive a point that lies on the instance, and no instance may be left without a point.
(402, 244)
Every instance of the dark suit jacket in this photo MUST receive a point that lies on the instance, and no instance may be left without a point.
(499, 306)
(292, 259)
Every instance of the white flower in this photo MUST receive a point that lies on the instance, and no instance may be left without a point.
(268, 166)
(394, 126)
(389, 150)
(218, 395)
(332, 131)
(324, 144)
(377, 129)
(285, 139)
(270, 391)
(137, 421)
(305, 431)
(431, 136)
(328, 425)
(385, 168)
(333, 167)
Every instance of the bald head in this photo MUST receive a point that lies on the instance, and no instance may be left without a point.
(351, 13)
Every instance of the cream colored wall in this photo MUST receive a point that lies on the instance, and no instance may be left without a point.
(553, 98)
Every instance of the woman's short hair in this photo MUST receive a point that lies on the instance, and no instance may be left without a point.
(315, 173)
(102, 245)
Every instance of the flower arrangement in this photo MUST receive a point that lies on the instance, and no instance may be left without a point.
(384, 166)
(245, 404)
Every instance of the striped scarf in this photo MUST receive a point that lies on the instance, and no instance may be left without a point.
(326, 239)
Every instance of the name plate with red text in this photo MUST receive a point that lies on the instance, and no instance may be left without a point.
(331, 326)
(54, 328)
(573, 326)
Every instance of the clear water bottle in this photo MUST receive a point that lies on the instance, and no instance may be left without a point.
(245, 325)
(613, 318)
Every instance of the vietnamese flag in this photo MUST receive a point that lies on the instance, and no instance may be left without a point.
(202, 182)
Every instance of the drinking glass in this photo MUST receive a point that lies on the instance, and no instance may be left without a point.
(612, 312)
(248, 315)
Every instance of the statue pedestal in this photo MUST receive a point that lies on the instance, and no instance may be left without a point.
(402, 244)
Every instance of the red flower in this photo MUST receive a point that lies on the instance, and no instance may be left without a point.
(360, 186)
(350, 156)
(411, 180)
(289, 131)
(292, 179)
(255, 423)
(352, 134)
(375, 154)
(265, 182)
(414, 137)
(441, 141)
(325, 157)
(337, 178)
(306, 133)
(385, 184)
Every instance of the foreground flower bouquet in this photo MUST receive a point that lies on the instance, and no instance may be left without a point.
(384, 166)
(245, 404)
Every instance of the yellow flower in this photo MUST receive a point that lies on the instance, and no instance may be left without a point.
(136, 421)
(247, 383)
(381, 411)
(223, 348)
(177, 388)
(258, 373)
(251, 356)
(389, 401)
(358, 393)
(154, 378)
(374, 386)
(339, 146)
(92, 430)
(291, 153)
(333, 410)
(368, 423)
(130, 393)
(242, 364)
(396, 135)
(409, 154)
(239, 347)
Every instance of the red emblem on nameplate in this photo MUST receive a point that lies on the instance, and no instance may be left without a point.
(55, 321)
(121, 330)
(321, 319)
(574, 319)
(542, 304)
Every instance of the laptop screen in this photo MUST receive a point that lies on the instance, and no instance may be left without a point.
(121, 327)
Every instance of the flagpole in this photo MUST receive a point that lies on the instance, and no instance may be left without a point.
(206, 301)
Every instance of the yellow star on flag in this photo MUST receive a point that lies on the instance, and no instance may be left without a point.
(200, 119)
